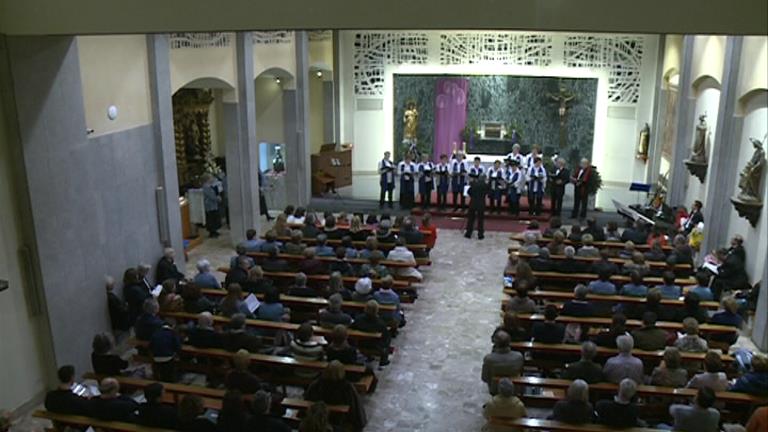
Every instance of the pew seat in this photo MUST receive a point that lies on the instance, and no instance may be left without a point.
(559, 296)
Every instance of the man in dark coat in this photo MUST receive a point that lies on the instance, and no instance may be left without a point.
(166, 267)
(560, 177)
(478, 190)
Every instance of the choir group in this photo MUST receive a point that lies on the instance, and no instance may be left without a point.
(519, 174)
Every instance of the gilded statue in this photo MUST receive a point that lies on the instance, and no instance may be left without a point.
(700, 141)
(752, 174)
(643, 143)
(410, 122)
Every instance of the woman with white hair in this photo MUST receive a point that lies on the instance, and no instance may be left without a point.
(623, 365)
(504, 405)
(575, 408)
(204, 278)
(621, 412)
(530, 246)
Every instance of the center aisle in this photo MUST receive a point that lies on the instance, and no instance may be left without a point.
(433, 383)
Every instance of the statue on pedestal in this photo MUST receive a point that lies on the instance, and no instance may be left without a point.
(410, 127)
(700, 141)
(752, 174)
(644, 143)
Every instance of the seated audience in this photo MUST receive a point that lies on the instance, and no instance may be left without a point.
(548, 331)
(386, 296)
(295, 246)
(134, 293)
(691, 308)
(713, 375)
(154, 413)
(333, 389)
(637, 264)
(555, 225)
(300, 288)
(635, 287)
(297, 217)
(238, 274)
(271, 242)
(256, 282)
(511, 265)
(701, 288)
(623, 365)
(166, 267)
(310, 229)
(557, 245)
(501, 362)
(374, 268)
(541, 262)
(333, 315)
(532, 228)
(336, 286)
(579, 306)
(668, 289)
(670, 372)
(370, 321)
(400, 253)
(657, 236)
(203, 335)
(655, 253)
(698, 417)
(595, 230)
(331, 230)
(316, 419)
(530, 245)
(349, 247)
(588, 249)
(111, 405)
(636, 233)
(410, 233)
(363, 289)
(691, 341)
(426, 225)
(681, 251)
(168, 300)
(62, 400)
(523, 272)
(340, 264)
(612, 232)
(103, 359)
(607, 338)
(511, 325)
(384, 233)
(310, 265)
(603, 285)
(649, 337)
(304, 347)
(754, 382)
(192, 415)
(575, 408)
(338, 347)
(241, 251)
(237, 337)
(575, 235)
(270, 308)
(164, 346)
(194, 301)
(240, 377)
(233, 415)
(585, 369)
(204, 278)
(252, 242)
(119, 316)
(729, 316)
(758, 421)
(605, 265)
(233, 302)
(356, 231)
(520, 302)
(621, 412)
(148, 321)
(322, 249)
(371, 245)
(504, 405)
(569, 264)
(629, 250)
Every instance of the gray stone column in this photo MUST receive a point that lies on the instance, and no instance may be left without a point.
(684, 134)
(301, 158)
(242, 152)
(723, 170)
(291, 145)
(158, 59)
(337, 88)
(653, 164)
(760, 323)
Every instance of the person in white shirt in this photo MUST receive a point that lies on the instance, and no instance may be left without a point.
(515, 180)
(515, 155)
(386, 179)
(458, 179)
(443, 171)
(537, 181)
(407, 172)
(426, 180)
(401, 253)
(530, 158)
(476, 170)
(497, 185)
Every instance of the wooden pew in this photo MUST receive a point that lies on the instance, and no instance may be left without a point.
(355, 261)
(560, 296)
(271, 325)
(617, 261)
(598, 244)
(364, 384)
(589, 277)
(631, 323)
(345, 227)
(575, 350)
(420, 248)
(304, 302)
(82, 422)
(556, 426)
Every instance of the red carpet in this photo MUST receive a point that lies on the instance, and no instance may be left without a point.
(491, 223)
(448, 219)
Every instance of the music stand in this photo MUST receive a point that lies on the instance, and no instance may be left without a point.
(640, 187)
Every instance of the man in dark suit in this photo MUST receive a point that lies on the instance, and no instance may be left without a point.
(203, 335)
(570, 264)
(694, 217)
(238, 338)
(560, 178)
(166, 267)
(111, 405)
(154, 413)
(62, 400)
(580, 191)
(478, 190)
(238, 274)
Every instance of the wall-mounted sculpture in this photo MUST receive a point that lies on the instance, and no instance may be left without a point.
(749, 201)
(643, 143)
(698, 162)
(192, 132)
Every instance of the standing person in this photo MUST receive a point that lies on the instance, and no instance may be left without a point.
(407, 171)
(515, 180)
(478, 190)
(458, 179)
(531, 157)
(386, 179)
(694, 217)
(580, 189)
(211, 200)
(262, 199)
(477, 169)
(426, 180)
(560, 178)
(537, 181)
(443, 177)
(497, 185)
(516, 155)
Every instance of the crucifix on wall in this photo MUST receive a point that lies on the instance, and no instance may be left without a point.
(562, 97)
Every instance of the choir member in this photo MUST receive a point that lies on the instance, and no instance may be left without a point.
(458, 179)
(497, 185)
(426, 180)
(537, 181)
(560, 178)
(529, 159)
(515, 155)
(386, 179)
(476, 170)
(581, 193)
(407, 172)
(443, 175)
(515, 181)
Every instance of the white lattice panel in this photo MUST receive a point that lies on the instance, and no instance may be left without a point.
(272, 37)
(504, 48)
(621, 56)
(373, 51)
(200, 40)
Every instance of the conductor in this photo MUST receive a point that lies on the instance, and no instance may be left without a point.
(478, 191)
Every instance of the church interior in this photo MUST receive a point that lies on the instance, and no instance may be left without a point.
(540, 215)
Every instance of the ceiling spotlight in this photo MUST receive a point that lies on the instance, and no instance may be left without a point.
(319, 74)
(277, 80)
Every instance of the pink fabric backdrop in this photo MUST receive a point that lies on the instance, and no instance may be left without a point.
(450, 114)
